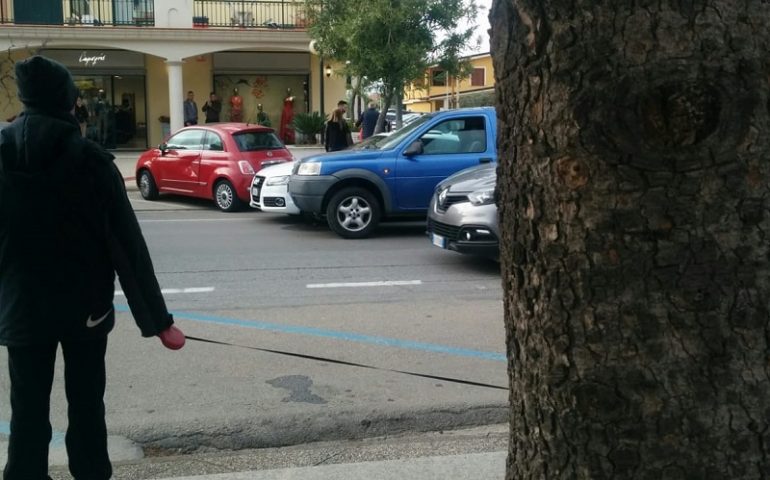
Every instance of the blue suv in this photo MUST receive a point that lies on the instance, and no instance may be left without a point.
(395, 175)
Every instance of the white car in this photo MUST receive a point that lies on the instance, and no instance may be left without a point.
(270, 190)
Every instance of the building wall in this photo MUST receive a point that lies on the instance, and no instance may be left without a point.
(9, 101)
(428, 98)
(157, 97)
(197, 76)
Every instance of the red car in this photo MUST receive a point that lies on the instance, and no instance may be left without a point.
(210, 161)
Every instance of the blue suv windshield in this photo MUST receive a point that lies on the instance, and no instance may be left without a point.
(392, 140)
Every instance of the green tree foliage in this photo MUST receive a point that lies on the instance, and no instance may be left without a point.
(392, 41)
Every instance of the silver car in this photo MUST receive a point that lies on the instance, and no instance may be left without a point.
(463, 216)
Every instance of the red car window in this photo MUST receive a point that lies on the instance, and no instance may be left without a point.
(214, 142)
(254, 141)
(187, 140)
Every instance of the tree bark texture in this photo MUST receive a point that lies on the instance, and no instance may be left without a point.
(634, 147)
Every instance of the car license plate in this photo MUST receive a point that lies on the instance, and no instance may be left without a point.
(438, 240)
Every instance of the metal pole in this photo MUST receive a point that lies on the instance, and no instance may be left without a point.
(321, 92)
(321, 76)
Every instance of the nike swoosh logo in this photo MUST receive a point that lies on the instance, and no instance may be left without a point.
(91, 323)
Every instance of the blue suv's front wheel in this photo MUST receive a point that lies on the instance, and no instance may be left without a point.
(353, 212)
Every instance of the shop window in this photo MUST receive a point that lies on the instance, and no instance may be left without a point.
(478, 76)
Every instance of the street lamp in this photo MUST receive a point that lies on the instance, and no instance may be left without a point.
(328, 71)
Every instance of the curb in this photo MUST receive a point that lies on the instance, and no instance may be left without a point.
(272, 432)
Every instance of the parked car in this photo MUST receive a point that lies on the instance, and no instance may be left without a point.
(463, 215)
(270, 190)
(216, 161)
(397, 175)
(407, 117)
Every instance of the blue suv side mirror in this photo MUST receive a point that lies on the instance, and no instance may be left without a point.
(415, 148)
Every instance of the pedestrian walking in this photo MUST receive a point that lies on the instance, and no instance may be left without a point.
(58, 256)
(338, 135)
(190, 110)
(212, 108)
(368, 121)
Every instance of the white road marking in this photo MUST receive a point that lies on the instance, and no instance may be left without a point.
(167, 291)
(387, 283)
(178, 220)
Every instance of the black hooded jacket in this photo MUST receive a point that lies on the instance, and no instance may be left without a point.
(66, 227)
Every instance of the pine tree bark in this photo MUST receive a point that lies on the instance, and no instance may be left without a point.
(634, 148)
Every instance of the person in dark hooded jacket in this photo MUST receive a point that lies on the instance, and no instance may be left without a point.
(59, 251)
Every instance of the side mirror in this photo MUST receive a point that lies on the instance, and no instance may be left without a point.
(163, 148)
(415, 148)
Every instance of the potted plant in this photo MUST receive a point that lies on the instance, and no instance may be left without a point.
(307, 126)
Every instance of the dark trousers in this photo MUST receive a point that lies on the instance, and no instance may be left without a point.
(31, 372)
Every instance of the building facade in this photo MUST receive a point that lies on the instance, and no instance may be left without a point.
(135, 60)
(439, 91)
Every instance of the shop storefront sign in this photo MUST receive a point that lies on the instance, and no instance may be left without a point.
(99, 61)
(90, 60)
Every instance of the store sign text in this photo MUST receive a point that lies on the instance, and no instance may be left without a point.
(92, 60)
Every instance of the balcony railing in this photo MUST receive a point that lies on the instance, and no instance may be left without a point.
(81, 12)
(249, 13)
(278, 14)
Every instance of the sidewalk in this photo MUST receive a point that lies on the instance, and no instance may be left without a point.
(477, 453)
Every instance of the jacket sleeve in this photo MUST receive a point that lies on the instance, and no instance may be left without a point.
(326, 136)
(133, 264)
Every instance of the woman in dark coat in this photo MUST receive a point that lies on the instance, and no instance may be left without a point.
(337, 132)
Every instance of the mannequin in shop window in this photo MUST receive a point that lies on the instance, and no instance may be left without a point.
(236, 107)
(287, 115)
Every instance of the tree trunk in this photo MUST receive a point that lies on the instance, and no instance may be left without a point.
(634, 140)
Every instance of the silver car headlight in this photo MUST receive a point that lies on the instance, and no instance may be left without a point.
(282, 180)
(482, 197)
(310, 168)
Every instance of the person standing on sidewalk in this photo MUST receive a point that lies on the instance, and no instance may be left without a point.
(58, 256)
(81, 115)
(337, 132)
(368, 121)
(190, 110)
(212, 108)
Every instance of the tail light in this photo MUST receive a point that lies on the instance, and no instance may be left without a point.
(246, 167)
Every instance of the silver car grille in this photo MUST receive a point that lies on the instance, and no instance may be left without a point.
(446, 201)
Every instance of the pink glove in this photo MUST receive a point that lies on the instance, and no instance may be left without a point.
(172, 338)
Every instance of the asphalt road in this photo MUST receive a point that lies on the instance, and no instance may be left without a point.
(320, 338)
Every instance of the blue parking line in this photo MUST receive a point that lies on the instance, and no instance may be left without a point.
(337, 335)
(57, 439)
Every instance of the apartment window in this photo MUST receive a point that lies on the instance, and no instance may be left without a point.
(438, 78)
(477, 77)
